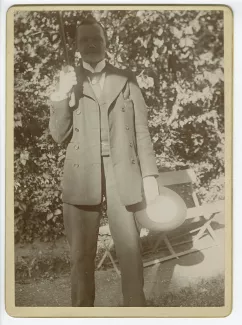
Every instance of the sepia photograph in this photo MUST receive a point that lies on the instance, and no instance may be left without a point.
(121, 156)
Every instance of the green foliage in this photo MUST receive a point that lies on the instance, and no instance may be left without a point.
(178, 60)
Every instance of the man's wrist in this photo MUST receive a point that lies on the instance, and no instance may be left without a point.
(151, 188)
(149, 177)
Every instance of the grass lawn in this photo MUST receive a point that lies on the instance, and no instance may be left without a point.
(206, 293)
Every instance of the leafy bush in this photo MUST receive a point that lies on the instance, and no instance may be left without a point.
(178, 60)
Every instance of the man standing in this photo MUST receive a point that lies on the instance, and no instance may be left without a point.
(109, 153)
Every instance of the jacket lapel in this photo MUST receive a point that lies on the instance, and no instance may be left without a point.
(113, 85)
(83, 86)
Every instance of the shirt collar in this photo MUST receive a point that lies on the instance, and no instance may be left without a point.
(99, 67)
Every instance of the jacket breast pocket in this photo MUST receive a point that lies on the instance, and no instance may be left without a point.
(128, 104)
(128, 109)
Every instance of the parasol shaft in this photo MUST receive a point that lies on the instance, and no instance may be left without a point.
(63, 38)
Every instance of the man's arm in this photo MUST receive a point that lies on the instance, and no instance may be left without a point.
(61, 120)
(61, 117)
(144, 145)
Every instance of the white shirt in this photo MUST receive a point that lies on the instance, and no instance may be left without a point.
(99, 67)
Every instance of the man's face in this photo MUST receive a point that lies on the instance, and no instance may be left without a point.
(91, 43)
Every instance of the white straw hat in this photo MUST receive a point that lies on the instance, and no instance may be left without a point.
(167, 212)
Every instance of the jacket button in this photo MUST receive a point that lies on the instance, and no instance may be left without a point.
(133, 161)
(76, 129)
(127, 128)
(76, 146)
(76, 165)
(131, 144)
(78, 112)
(123, 109)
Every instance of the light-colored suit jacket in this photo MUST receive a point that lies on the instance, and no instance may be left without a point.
(130, 144)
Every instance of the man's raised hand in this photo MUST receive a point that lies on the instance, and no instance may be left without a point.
(67, 80)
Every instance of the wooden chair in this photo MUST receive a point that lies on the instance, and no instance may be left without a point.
(106, 239)
(207, 211)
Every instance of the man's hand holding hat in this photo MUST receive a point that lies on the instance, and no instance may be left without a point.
(151, 188)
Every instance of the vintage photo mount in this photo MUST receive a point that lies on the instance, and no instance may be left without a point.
(14, 311)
